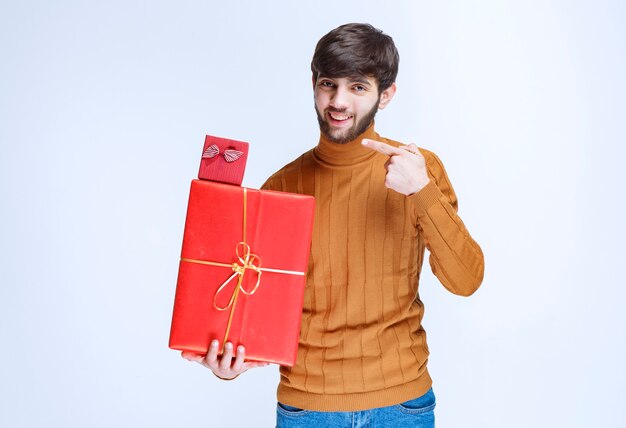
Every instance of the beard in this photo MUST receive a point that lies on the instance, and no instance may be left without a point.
(359, 126)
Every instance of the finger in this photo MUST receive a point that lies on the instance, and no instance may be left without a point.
(390, 161)
(254, 364)
(227, 357)
(238, 364)
(211, 357)
(192, 356)
(381, 147)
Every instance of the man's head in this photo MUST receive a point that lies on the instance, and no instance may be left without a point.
(357, 50)
(354, 71)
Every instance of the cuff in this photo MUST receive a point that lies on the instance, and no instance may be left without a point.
(425, 198)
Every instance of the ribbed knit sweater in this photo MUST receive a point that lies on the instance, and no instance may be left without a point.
(362, 344)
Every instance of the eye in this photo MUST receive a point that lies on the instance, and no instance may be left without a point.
(327, 84)
(360, 88)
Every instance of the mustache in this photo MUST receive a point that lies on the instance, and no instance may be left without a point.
(336, 110)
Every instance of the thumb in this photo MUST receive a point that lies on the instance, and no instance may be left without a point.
(192, 356)
(411, 148)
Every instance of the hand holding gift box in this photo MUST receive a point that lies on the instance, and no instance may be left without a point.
(224, 367)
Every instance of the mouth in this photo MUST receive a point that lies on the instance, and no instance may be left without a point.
(337, 118)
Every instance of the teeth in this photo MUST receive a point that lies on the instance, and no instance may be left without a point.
(339, 116)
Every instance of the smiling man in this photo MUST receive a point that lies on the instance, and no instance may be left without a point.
(362, 357)
(341, 116)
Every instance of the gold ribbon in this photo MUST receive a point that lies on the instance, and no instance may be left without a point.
(247, 260)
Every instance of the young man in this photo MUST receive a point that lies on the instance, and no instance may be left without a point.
(362, 354)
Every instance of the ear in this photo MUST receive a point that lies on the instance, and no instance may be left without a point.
(386, 96)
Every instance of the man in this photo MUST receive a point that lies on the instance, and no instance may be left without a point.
(362, 353)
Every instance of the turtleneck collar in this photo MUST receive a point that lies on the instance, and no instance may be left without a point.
(347, 154)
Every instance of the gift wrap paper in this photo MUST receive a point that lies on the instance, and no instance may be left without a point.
(220, 166)
(277, 240)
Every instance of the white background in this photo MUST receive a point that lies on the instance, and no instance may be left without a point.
(103, 111)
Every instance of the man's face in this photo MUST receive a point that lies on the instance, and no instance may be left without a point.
(346, 106)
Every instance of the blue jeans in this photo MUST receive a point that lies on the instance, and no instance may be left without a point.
(416, 413)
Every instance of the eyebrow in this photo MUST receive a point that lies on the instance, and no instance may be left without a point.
(352, 79)
(359, 79)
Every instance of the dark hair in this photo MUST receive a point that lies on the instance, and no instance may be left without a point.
(357, 50)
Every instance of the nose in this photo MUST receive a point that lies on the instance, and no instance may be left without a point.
(339, 100)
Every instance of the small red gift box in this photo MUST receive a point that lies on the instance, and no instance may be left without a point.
(223, 160)
(241, 276)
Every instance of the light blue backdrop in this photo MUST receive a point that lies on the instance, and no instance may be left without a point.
(103, 109)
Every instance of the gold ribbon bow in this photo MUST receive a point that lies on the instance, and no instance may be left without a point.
(248, 261)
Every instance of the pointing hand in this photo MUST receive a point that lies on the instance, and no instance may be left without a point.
(406, 167)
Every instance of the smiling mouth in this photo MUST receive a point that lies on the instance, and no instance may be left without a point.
(339, 117)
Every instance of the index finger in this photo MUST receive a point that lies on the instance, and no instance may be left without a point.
(381, 147)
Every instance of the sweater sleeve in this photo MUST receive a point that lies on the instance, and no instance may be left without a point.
(272, 183)
(455, 258)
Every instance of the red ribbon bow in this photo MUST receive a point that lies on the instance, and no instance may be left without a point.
(230, 155)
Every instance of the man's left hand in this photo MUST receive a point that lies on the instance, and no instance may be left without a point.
(406, 167)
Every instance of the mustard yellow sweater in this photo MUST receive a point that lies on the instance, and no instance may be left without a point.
(362, 344)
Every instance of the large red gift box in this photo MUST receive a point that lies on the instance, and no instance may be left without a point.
(242, 271)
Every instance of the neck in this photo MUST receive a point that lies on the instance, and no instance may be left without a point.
(345, 154)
